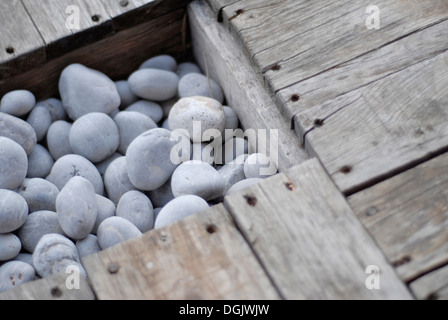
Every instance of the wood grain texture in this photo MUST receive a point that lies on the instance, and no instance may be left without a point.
(21, 45)
(217, 53)
(433, 286)
(407, 216)
(383, 128)
(309, 240)
(201, 257)
(362, 71)
(50, 288)
(126, 49)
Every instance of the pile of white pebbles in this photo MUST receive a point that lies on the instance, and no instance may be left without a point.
(109, 161)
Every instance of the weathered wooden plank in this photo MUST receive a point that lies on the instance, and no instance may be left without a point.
(316, 36)
(50, 288)
(309, 240)
(433, 286)
(201, 257)
(118, 7)
(407, 215)
(384, 128)
(362, 71)
(21, 45)
(127, 49)
(218, 6)
(68, 24)
(217, 53)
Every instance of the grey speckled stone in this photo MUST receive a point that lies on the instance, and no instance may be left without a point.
(15, 273)
(185, 68)
(54, 253)
(72, 165)
(40, 119)
(115, 230)
(85, 90)
(10, 246)
(58, 139)
(197, 178)
(13, 211)
(162, 62)
(94, 136)
(190, 112)
(37, 225)
(77, 208)
(39, 194)
(17, 102)
(148, 108)
(148, 159)
(87, 246)
(13, 164)
(116, 180)
(154, 84)
(40, 162)
(19, 131)
(195, 84)
(131, 124)
(180, 208)
(137, 208)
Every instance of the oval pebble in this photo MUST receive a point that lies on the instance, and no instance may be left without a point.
(25, 257)
(233, 172)
(40, 162)
(106, 209)
(54, 253)
(40, 119)
(72, 165)
(10, 246)
(180, 208)
(58, 139)
(87, 246)
(131, 124)
(185, 68)
(148, 159)
(258, 165)
(103, 165)
(94, 136)
(162, 62)
(138, 209)
(148, 108)
(195, 84)
(116, 180)
(243, 184)
(84, 90)
(187, 113)
(154, 84)
(161, 196)
(115, 230)
(19, 131)
(39, 194)
(127, 97)
(37, 225)
(13, 164)
(17, 102)
(15, 273)
(77, 208)
(13, 211)
(197, 178)
(55, 107)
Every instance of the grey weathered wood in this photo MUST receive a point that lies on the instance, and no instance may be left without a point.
(309, 240)
(316, 36)
(407, 215)
(217, 53)
(218, 5)
(21, 45)
(433, 285)
(383, 128)
(118, 7)
(362, 71)
(201, 257)
(50, 288)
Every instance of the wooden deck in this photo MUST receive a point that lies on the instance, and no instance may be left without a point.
(369, 105)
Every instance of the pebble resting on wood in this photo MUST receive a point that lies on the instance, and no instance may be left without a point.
(110, 161)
